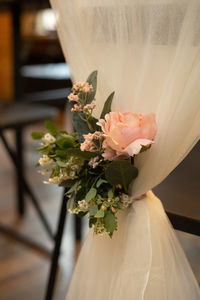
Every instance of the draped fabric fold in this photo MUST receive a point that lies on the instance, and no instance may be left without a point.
(148, 52)
(143, 261)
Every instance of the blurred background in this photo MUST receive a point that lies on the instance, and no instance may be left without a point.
(34, 85)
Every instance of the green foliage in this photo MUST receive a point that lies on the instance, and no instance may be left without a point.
(110, 222)
(121, 172)
(37, 135)
(100, 214)
(110, 193)
(93, 210)
(92, 79)
(82, 154)
(65, 142)
(51, 128)
(91, 194)
(100, 182)
(97, 191)
(107, 105)
(72, 189)
(67, 183)
(80, 126)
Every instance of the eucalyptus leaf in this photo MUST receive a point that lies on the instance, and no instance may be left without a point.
(110, 222)
(107, 105)
(100, 214)
(91, 194)
(69, 203)
(72, 189)
(100, 182)
(121, 172)
(61, 163)
(93, 210)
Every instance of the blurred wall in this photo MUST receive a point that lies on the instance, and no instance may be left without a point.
(6, 59)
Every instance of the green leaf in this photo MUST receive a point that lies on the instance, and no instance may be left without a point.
(37, 165)
(100, 214)
(121, 172)
(82, 154)
(67, 183)
(72, 189)
(61, 163)
(110, 222)
(63, 132)
(80, 125)
(65, 142)
(100, 182)
(92, 221)
(92, 79)
(51, 128)
(107, 105)
(69, 203)
(37, 135)
(110, 193)
(61, 153)
(80, 195)
(91, 194)
(93, 210)
(43, 149)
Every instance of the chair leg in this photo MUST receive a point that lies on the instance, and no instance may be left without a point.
(56, 251)
(20, 172)
(78, 229)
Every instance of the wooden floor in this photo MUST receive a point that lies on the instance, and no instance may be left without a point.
(23, 272)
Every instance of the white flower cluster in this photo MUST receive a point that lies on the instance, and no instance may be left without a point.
(48, 139)
(45, 161)
(73, 167)
(82, 206)
(99, 228)
(126, 200)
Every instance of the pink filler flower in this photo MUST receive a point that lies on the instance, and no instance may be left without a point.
(126, 133)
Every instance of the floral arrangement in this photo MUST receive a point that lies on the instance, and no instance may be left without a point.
(96, 163)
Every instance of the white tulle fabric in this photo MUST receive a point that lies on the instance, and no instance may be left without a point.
(148, 52)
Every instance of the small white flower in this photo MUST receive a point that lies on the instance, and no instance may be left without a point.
(53, 180)
(45, 161)
(99, 229)
(74, 210)
(126, 200)
(48, 139)
(44, 172)
(83, 205)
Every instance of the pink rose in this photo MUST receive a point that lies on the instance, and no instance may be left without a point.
(127, 132)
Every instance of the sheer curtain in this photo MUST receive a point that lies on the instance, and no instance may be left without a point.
(148, 52)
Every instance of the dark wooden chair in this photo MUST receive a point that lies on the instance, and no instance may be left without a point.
(16, 117)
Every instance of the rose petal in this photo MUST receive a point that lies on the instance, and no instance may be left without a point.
(135, 147)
